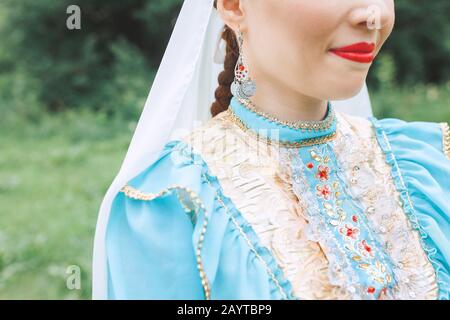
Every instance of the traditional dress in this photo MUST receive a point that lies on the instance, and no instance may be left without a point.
(250, 207)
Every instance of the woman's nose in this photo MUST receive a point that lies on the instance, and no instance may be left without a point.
(373, 14)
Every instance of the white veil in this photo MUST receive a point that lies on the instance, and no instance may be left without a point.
(180, 97)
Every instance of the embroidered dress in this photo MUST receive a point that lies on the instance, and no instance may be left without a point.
(250, 207)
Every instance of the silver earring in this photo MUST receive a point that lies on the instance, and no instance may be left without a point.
(243, 87)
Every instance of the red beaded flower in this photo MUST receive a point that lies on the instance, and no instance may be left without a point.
(349, 231)
(323, 173)
(371, 290)
(365, 248)
(323, 191)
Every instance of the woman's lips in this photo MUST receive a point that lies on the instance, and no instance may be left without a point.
(362, 52)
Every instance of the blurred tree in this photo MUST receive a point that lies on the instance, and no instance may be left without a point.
(419, 43)
(109, 64)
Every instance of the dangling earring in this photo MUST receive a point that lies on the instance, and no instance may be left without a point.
(243, 87)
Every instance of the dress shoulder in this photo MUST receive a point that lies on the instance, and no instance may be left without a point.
(422, 134)
(419, 156)
(174, 234)
(177, 169)
(179, 166)
(155, 230)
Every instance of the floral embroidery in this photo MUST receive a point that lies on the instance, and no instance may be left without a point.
(372, 186)
(323, 191)
(323, 173)
(365, 248)
(351, 231)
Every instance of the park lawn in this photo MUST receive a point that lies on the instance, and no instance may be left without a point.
(420, 103)
(52, 181)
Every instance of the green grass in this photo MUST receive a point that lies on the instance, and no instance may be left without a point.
(422, 103)
(52, 179)
(55, 171)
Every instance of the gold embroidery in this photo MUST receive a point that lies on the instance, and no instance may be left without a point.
(196, 201)
(446, 139)
(258, 194)
(307, 142)
(303, 125)
(374, 188)
(252, 248)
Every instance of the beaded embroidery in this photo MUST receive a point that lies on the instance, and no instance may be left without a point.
(302, 125)
(344, 223)
(446, 139)
(286, 134)
(256, 135)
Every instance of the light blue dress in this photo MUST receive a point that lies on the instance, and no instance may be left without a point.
(176, 232)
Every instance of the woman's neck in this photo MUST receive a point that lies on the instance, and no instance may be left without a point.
(288, 105)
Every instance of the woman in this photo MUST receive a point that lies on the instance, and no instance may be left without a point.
(278, 196)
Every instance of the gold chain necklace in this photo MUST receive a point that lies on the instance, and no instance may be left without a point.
(303, 125)
(297, 144)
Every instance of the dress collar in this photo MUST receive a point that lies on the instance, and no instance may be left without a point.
(290, 134)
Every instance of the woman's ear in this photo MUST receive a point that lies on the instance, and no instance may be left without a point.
(231, 12)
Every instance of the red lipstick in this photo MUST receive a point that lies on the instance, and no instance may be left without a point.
(362, 52)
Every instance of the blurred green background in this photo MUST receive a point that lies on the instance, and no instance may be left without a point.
(70, 100)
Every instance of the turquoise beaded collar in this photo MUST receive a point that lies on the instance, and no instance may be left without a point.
(289, 134)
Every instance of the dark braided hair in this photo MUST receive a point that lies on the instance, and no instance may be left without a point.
(223, 92)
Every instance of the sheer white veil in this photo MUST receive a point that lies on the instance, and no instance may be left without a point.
(179, 99)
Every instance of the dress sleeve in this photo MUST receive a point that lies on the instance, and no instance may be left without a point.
(150, 243)
(418, 153)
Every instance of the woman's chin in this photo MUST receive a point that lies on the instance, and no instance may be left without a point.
(343, 91)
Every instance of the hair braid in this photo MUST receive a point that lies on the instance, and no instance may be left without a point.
(223, 92)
